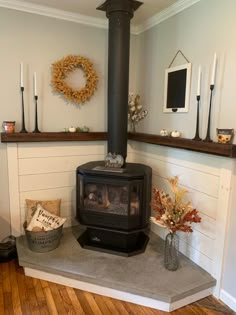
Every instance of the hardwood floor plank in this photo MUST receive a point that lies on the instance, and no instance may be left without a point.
(57, 298)
(50, 301)
(93, 304)
(151, 311)
(75, 302)
(84, 303)
(137, 309)
(8, 306)
(23, 292)
(44, 283)
(40, 296)
(122, 308)
(66, 301)
(111, 305)
(1, 275)
(103, 307)
(212, 304)
(31, 296)
(14, 289)
(6, 278)
(1, 300)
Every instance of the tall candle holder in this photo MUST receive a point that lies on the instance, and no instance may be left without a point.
(36, 129)
(23, 129)
(208, 138)
(197, 138)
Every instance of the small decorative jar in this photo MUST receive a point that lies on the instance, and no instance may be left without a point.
(171, 255)
(225, 135)
(8, 126)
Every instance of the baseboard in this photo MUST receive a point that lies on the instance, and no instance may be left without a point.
(228, 299)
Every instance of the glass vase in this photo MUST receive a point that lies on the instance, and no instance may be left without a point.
(132, 126)
(171, 255)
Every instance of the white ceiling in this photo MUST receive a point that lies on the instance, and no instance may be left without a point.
(88, 7)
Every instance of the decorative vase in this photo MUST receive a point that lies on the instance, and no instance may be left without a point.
(132, 126)
(171, 256)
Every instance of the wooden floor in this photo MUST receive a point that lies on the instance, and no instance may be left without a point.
(20, 294)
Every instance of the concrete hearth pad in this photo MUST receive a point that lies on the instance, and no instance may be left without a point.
(143, 275)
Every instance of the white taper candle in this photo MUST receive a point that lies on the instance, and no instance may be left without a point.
(199, 81)
(35, 84)
(21, 75)
(213, 71)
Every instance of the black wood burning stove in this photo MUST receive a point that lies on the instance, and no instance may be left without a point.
(115, 207)
(113, 202)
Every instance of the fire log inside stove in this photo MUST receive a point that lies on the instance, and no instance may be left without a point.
(114, 203)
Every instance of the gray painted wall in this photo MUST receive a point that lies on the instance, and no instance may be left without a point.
(201, 30)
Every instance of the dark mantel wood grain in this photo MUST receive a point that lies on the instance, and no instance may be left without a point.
(226, 150)
(53, 136)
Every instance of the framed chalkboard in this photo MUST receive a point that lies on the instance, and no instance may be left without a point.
(177, 89)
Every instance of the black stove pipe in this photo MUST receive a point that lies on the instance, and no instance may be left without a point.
(119, 13)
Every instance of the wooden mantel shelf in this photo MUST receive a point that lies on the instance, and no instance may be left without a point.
(226, 150)
(53, 136)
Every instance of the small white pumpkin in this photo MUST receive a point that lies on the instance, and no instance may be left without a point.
(175, 134)
(164, 132)
(72, 129)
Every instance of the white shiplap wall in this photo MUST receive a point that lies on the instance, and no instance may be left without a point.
(208, 180)
(47, 171)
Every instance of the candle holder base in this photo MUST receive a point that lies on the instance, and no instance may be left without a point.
(197, 138)
(36, 131)
(208, 139)
(23, 131)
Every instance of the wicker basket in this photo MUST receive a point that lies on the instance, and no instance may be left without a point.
(43, 241)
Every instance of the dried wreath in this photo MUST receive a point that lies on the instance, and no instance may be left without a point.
(61, 69)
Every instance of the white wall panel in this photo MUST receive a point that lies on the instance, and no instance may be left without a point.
(47, 181)
(32, 150)
(54, 164)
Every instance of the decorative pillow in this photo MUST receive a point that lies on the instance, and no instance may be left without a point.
(52, 206)
(44, 220)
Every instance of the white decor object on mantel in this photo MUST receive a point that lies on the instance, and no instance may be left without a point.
(164, 133)
(72, 129)
(175, 134)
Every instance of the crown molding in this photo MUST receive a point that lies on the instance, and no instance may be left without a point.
(54, 13)
(164, 15)
(96, 22)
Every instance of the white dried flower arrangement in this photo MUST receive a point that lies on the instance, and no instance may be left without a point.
(135, 109)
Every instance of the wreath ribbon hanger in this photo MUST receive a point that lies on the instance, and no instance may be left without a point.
(178, 52)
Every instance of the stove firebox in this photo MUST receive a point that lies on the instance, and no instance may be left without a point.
(114, 206)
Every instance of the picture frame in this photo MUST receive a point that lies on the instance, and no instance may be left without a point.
(177, 89)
